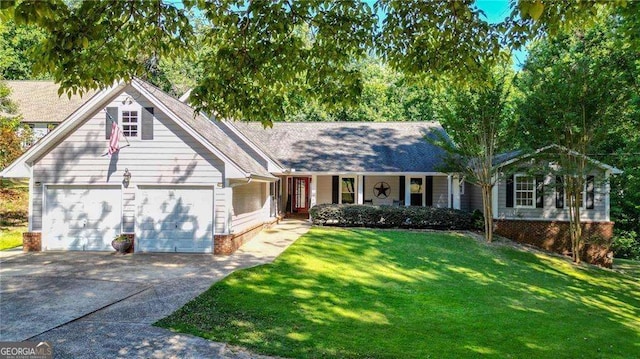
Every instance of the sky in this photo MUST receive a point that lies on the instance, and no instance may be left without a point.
(496, 11)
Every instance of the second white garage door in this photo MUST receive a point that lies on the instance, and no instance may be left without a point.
(175, 219)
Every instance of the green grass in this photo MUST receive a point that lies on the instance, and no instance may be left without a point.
(627, 266)
(14, 203)
(394, 294)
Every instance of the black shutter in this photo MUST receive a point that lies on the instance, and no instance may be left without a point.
(111, 116)
(429, 191)
(559, 192)
(401, 189)
(364, 190)
(335, 188)
(510, 181)
(147, 123)
(539, 192)
(590, 192)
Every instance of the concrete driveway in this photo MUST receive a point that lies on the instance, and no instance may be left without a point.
(102, 304)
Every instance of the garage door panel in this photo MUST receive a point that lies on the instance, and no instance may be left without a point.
(175, 219)
(81, 217)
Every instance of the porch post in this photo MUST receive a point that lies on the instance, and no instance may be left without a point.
(494, 195)
(407, 191)
(314, 191)
(449, 194)
(456, 192)
(607, 198)
(360, 197)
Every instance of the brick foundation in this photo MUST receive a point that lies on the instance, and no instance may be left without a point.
(225, 244)
(554, 236)
(31, 241)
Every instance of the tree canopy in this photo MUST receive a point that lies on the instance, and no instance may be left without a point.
(259, 52)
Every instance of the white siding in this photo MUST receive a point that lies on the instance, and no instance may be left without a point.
(172, 157)
(393, 182)
(440, 192)
(550, 212)
(324, 190)
(250, 205)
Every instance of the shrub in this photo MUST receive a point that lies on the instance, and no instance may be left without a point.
(390, 217)
(626, 244)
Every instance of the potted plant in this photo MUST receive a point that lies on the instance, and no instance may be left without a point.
(122, 243)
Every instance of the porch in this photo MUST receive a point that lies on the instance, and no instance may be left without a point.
(300, 192)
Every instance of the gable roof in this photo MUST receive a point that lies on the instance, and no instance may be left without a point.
(509, 158)
(196, 124)
(209, 131)
(38, 101)
(349, 146)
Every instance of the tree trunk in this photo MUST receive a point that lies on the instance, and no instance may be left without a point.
(575, 229)
(488, 212)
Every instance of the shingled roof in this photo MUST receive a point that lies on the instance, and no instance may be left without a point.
(38, 101)
(212, 133)
(350, 146)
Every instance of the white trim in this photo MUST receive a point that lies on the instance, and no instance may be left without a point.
(314, 191)
(494, 197)
(131, 108)
(449, 193)
(455, 182)
(65, 127)
(515, 191)
(407, 191)
(30, 213)
(360, 196)
(613, 170)
(238, 173)
(607, 198)
(422, 188)
(355, 186)
(273, 165)
(356, 173)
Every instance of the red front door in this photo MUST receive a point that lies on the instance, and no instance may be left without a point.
(301, 194)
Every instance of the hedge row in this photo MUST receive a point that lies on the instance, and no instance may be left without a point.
(390, 217)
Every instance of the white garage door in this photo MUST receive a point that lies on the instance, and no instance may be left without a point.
(81, 217)
(175, 219)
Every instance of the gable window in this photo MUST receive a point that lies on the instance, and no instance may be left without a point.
(525, 191)
(130, 122)
(348, 190)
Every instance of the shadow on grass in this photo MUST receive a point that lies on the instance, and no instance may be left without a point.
(365, 293)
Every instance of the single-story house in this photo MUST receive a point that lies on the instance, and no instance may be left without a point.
(36, 101)
(182, 182)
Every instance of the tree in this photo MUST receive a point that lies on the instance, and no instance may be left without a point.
(260, 50)
(12, 135)
(477, 117)
(16, 44)
(575, 86)
(387, 95)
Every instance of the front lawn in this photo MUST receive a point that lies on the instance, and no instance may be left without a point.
(396, 294)
(14, 205)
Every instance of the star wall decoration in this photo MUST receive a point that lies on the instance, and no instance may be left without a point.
(381, 190)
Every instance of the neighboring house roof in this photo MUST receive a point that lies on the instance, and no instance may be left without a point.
(212, 133)
(350, 146)
(506, 159)
(38, 101)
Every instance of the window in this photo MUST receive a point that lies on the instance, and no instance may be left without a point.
(416, 191)
(130, 123)
(525, 191)
(347, 190)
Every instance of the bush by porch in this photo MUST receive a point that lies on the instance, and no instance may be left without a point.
(390, 217)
